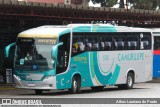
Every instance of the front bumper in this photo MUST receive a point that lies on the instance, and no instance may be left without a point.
(47, 84)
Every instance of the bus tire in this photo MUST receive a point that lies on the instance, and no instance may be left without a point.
(129, 82)
(97, 88)
(76, 85)
(38, 92)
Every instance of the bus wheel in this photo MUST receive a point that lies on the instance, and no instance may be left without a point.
(38, 92)
(75, 85)
(97, 88)
(129, 82)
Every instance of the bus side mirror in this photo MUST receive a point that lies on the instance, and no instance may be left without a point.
(54, 51)
(7, 49)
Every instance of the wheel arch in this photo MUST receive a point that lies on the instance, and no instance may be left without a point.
(76, 74)
(131, 71)
(76, 83)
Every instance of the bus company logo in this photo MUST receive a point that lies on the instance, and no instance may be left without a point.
(28, 77)
(6, 101)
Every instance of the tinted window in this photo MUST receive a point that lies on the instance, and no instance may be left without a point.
(132, 42)
(157, 43)
(79, 44)
(110, 41)
(119, 41)
(145, 41)
(106, 42)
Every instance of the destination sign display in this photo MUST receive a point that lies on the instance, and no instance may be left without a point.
(38, 41)
(46, 41)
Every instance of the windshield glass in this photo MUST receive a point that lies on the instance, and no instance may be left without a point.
(34, 54)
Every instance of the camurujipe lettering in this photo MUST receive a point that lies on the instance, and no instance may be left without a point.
(131, 57)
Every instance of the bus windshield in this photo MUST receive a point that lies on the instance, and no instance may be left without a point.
(34, 54)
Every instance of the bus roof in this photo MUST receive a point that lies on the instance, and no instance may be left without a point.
(156, 31)
(43, 32)
(105, 28)
(50, 31)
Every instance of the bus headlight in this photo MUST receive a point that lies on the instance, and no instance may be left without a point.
(47, 78)
(52, 61)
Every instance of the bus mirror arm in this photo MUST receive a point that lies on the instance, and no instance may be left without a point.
(7, 49)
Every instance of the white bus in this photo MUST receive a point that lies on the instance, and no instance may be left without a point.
(82, 55)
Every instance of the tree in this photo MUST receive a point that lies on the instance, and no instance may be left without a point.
(136, 4)
(146, 4)
(105, 3)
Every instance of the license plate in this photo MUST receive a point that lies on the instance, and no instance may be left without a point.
(31, 85)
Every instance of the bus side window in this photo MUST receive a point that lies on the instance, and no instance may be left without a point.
(108, 45)
(81, 46)
(145, 44)
(102, 45)
(132, 45)
(119, 42)
(88, 43)
(96, 44)
(74, 45)
(156, 42)
(78, 44)
(119, 45)
(107, 42)
(132, 41)
(145, 41)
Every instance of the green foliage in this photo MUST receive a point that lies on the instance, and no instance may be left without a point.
(137, 4)
(146, 4)
(105, 3)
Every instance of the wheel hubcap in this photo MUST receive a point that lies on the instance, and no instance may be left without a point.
(75, 85)
(130, 81)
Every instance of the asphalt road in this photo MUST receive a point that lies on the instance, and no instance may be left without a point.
(141, 90)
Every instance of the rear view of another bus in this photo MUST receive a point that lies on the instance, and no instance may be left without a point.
(156, 54)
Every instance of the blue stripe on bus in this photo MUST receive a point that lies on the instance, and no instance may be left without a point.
(156, 66)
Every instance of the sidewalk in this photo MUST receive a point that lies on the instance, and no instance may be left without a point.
(6, 87)
(2, 84)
